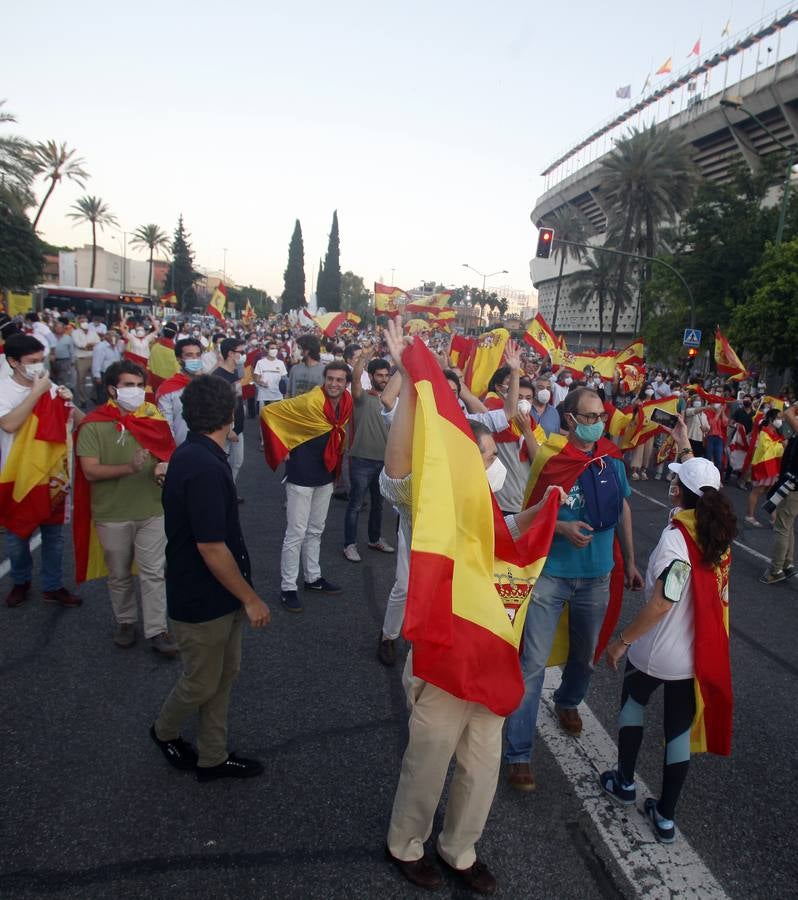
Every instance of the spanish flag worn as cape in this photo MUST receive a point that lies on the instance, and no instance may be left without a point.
(162, 363)
(288, 423)
(712, 725)
(135, 358)
(34, 480)
(469, 582)
(152, 432)
(175, 383)
(557, 461)
(768, 451)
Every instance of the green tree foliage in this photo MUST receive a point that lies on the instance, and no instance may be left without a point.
(355, 296)
(766, 325)
(55, 162)
(18, 167)
(475, 295)
(261, 302)
(95, 211)
(569, 225)
(599, 281)
(153, 239)
(181, 276)
(329, 286)
(21, 251)
(294, 291)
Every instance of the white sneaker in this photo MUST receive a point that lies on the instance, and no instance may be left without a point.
(350, 552)
(382, 545)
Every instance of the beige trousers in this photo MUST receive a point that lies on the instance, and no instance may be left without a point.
(211, 657)
(145, 542)
(82, 369)
(442, 725)
(784, 533)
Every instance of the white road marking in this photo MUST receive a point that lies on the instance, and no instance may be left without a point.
(5, 565)
(755, 553)
(654, 871)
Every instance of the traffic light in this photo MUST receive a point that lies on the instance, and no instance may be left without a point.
(693, 351)
(545, 240)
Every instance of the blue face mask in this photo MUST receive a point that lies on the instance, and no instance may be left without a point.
(192, 365)
(589, 433)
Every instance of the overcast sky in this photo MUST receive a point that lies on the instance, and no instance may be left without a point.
(426, 124)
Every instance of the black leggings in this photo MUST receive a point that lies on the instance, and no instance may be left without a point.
(679, 712)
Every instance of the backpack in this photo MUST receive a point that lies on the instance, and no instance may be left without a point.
(602, 492)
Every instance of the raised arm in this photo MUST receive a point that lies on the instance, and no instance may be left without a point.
(512, 354)
(399, 449)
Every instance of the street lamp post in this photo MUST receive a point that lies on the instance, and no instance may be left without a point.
(792, 152)
(485, 277)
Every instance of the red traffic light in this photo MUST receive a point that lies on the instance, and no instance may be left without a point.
(692, 352)
(545, 239)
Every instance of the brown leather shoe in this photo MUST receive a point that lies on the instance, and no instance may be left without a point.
(477, 878)
(386, 651)
(520, 777)
(17, 595)
(570, 720)
(62, 597)
(420, 872)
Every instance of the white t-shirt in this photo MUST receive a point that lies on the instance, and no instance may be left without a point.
(666, 651)
(11, 395)
(137, 345)
(271, 371)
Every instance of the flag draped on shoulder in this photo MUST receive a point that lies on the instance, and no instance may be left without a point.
(217, 305)
(712, 725)
(540, 337)
(469, 582)
(767, 453)
(288, 423)
(162, 363)
(386, 299)
(727, 362)
(176, 383)
(152, 432)
(34, 480)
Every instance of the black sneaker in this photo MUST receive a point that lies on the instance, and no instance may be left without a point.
(664, 829)
(291, 601)
(178, 753)
(612, 784)
(322, 586)
(789, 571)
(233, 767)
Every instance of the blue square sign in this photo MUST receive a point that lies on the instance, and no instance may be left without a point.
(692, 337)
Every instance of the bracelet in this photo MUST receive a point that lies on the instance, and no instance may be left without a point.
(623, 640)
(683, 453)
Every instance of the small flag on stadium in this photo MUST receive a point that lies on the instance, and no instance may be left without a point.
(624, 93)
(696, 51)
(218, 302)
(666, 67)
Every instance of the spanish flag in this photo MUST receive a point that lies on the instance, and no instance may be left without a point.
(632, 353)
(169, 299)
(768, 451)
(170, 385)
(712, 725)
(469, 582)
(415, 326)
(218, 302)
(666, 67)
(152, 432)
(433, 303)
(34, 480)
(540, 337)
(486, 356)
(162, 363)
(330, 322)
(631, 377)
(727, 361)
(248, 316)
(641, 427)
(249, 389)
(288, 423)
(617, 421)
(386, 299)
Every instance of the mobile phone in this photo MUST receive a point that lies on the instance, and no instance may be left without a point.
(662, 417)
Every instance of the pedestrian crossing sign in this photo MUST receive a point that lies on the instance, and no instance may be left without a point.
(692, 337)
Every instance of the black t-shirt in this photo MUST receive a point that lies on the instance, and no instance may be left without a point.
(200, 507)
(238, 415)
(305, 466)
(746, 419)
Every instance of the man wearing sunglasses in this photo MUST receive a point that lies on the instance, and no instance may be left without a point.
(576, 573)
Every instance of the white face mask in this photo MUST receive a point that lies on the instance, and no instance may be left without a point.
(140, 332)
(696, 404)
(777, 423)
(543, 395)
(130, 398)
(567, 381)
(524, 406)
(272, 352)
(649, 392)
(33, 370)
(496, 473)
(84, 326)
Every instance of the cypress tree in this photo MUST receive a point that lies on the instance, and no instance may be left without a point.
(319, 278)
(294, 292)
(180, 276)
(329, 294)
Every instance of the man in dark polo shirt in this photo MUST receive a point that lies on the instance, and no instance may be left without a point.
(208, 586)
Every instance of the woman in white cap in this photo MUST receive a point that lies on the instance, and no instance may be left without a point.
(679, 639)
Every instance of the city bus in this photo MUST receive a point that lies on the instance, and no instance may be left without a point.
(109, 306)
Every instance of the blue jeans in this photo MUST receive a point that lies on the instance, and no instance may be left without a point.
(714, 451)
(364, 475)
(19, 556)
(587, 600)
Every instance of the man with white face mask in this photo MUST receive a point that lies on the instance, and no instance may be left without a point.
(119, 445)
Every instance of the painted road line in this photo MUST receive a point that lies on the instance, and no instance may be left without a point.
(755, 553)
(654, 871)
(5, 565)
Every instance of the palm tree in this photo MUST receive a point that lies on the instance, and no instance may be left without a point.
(94, 210)
(18, 167)
(599, 281)
(154, 239)
(648, 179)
(56, 162)
(569, 225)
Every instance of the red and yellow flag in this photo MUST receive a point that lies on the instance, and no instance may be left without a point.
(218, 302)
(248, 316)
(415, 326)
(433, 303)
(641, 428)
(768, 451)
(330, 322)
(632, 353)
(162, 363)
(169, 299)
(34, 480)
(666, 67)
(469, 583)
(540, 337)
(486, 356)
(631, 377)
(727, 361)
(386, 299)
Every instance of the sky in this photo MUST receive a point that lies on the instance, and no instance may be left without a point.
(425, 124)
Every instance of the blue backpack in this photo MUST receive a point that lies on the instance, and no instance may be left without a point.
(602, 491)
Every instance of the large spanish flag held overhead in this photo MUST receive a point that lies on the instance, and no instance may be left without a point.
(387, 298)
(727, 362)
(540, 337)
(330, 322)
(432, 303)
(469, 582)
(486, 356)
(34, 480)
(218, 302)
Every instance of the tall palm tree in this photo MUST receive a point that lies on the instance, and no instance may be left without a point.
(599, 281)
(648, 179)
(56, 162)
(154, 239)
(569, 225)
(18, 167)
(94, 210)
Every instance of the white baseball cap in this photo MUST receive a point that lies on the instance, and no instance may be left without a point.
(696, 474)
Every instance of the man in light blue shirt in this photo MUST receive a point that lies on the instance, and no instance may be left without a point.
(105, 353)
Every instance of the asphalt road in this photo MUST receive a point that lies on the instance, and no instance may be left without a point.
(91, 810)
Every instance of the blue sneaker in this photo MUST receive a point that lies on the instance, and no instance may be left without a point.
(664, 829)
(322, 586)
(291, 601)
(612, 784)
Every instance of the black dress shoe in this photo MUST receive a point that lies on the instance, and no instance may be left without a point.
(420, 872)
(477, 877)
(233, 767)
(386, 651)
(178, 753)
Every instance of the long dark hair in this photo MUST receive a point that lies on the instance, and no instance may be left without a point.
(715, 521)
